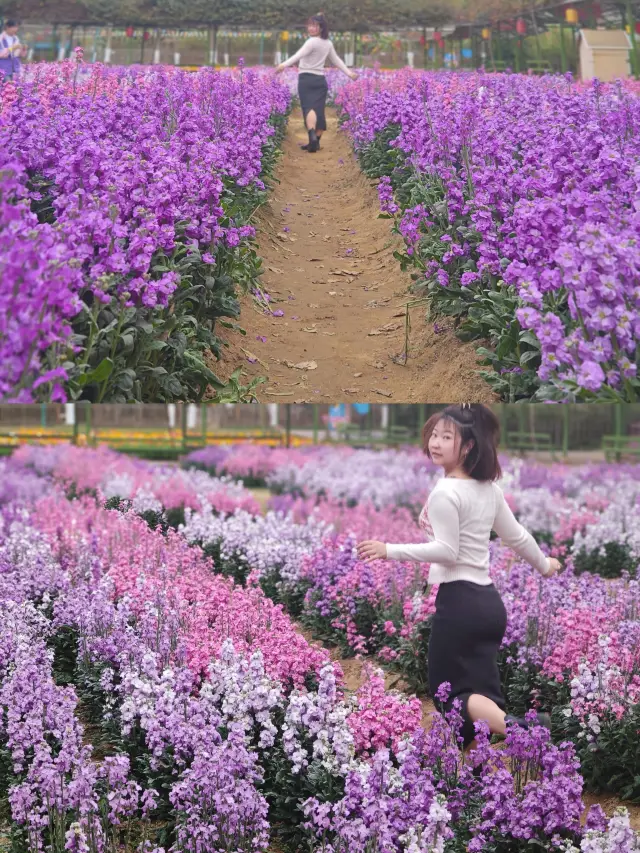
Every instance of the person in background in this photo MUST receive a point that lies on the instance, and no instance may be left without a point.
(312, 84)
(10, 50)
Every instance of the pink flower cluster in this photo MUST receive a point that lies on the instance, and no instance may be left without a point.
(382, 717)
(166, 572)
(113, 474)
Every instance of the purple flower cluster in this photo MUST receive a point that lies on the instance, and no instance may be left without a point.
(533, 185)
(126, 171)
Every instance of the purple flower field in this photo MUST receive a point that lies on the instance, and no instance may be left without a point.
(125, 225)
(517, 198)
(148, 702)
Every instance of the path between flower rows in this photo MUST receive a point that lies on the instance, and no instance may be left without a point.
(353, 669)
(333, 274)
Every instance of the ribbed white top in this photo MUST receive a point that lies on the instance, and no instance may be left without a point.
(313, 56)
(458, 519)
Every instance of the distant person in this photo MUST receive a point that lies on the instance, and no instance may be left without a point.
(312, 83)
(10, 50)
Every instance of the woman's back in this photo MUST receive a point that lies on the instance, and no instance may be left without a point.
(314, 54)
(458, 519)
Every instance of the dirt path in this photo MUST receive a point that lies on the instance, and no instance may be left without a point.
(328, 266)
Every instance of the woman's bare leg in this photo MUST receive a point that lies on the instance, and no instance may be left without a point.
(481, 708)
(312, 120)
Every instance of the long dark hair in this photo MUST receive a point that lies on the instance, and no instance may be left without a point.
(477, 426)
(319, 19)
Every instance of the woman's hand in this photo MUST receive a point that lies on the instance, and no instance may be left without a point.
(554, 567)
(372, 550)
(353, 75)
(280, 69)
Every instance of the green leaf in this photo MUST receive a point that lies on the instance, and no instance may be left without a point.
(99, 374)
(529, 338)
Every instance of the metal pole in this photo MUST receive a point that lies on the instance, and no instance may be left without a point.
(504, 422)
(631, 22)
(75, 423)
(617, 414)
(43, 414)
(563, 50)
(288, 424)
(565, 431)
(421, 417)
(261, 48)
(316, 422)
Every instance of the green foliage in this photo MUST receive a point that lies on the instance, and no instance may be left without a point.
(615, 560)
(353, 15)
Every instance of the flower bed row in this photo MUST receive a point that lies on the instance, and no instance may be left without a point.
(572, 643)
(214, 723)
(125, 226)
(516, 198)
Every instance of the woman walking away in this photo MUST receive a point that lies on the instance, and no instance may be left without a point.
(312, 84)
(470, 619)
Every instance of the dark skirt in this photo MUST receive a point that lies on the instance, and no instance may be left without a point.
(313, 90)
(466, 634)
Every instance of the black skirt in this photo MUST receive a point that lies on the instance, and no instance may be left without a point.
(466, 633)
(313, 90)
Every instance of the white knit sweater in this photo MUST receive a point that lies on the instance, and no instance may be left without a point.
(313, 55)
(458, 519)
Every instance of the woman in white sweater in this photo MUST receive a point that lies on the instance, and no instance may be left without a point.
(312, 84)
(463, 508)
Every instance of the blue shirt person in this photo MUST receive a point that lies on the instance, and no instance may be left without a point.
(10, 50)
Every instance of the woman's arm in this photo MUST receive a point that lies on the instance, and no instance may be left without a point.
(515, 536)
(306, 47)
(335, 59)
(444, 516)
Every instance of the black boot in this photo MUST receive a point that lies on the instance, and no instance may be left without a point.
(543, 720)
(306, 147)
(314, 143)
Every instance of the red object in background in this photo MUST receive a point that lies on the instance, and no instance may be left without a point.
(437, 36)
(423, 41)
(521, 27)
(146, 35)
(596, 10)
(638, 28)
(129, 32)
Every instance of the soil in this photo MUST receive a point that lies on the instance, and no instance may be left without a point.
(328, 264)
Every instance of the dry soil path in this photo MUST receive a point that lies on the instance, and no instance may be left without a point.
(338, 296)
